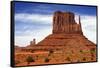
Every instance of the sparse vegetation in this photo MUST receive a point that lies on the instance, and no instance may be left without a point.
(68, 59)
(46, 60)
(32, 51)
(81, 51)
(92, 50)
(92, 58)
(37, 56)
(30, 59)
(84, 59)
(50, 52)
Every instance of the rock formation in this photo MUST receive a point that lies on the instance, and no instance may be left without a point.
(32, 42)
(67, 41)
(63, 22)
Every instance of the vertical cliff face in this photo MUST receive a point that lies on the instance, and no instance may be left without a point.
(64, 22)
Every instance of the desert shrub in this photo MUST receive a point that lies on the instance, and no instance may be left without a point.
(81, 51)
(37, 57)
(92, 58)
(68, 59)
(50, 52)
(46, 60)
(92, 55)
(92, 50)
(32, 51)
(30, 59)
(84, 59)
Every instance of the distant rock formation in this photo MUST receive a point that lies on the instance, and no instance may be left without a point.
(63, 22)
(32, 42)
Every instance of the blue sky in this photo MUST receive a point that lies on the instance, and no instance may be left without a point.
(34, 20)
(40, 8)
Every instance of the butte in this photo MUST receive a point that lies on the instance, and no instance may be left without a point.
(66, 44)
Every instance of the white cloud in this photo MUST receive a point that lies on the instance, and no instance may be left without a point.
(31, 18)
(88, 27)
(39, 35)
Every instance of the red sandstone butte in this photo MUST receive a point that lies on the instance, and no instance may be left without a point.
(66, 44)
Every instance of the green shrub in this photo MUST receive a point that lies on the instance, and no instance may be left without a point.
(84, 59)
(50, 52)
(30, 59)
(46, 60)
(32, 51)
(81, 51)
(68, 59)
(92, 50)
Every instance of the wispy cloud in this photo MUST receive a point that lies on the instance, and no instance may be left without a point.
(88, 26)
(30, 22)
(29, 26)
(38, 26)
(24, 40)
(33, 18)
